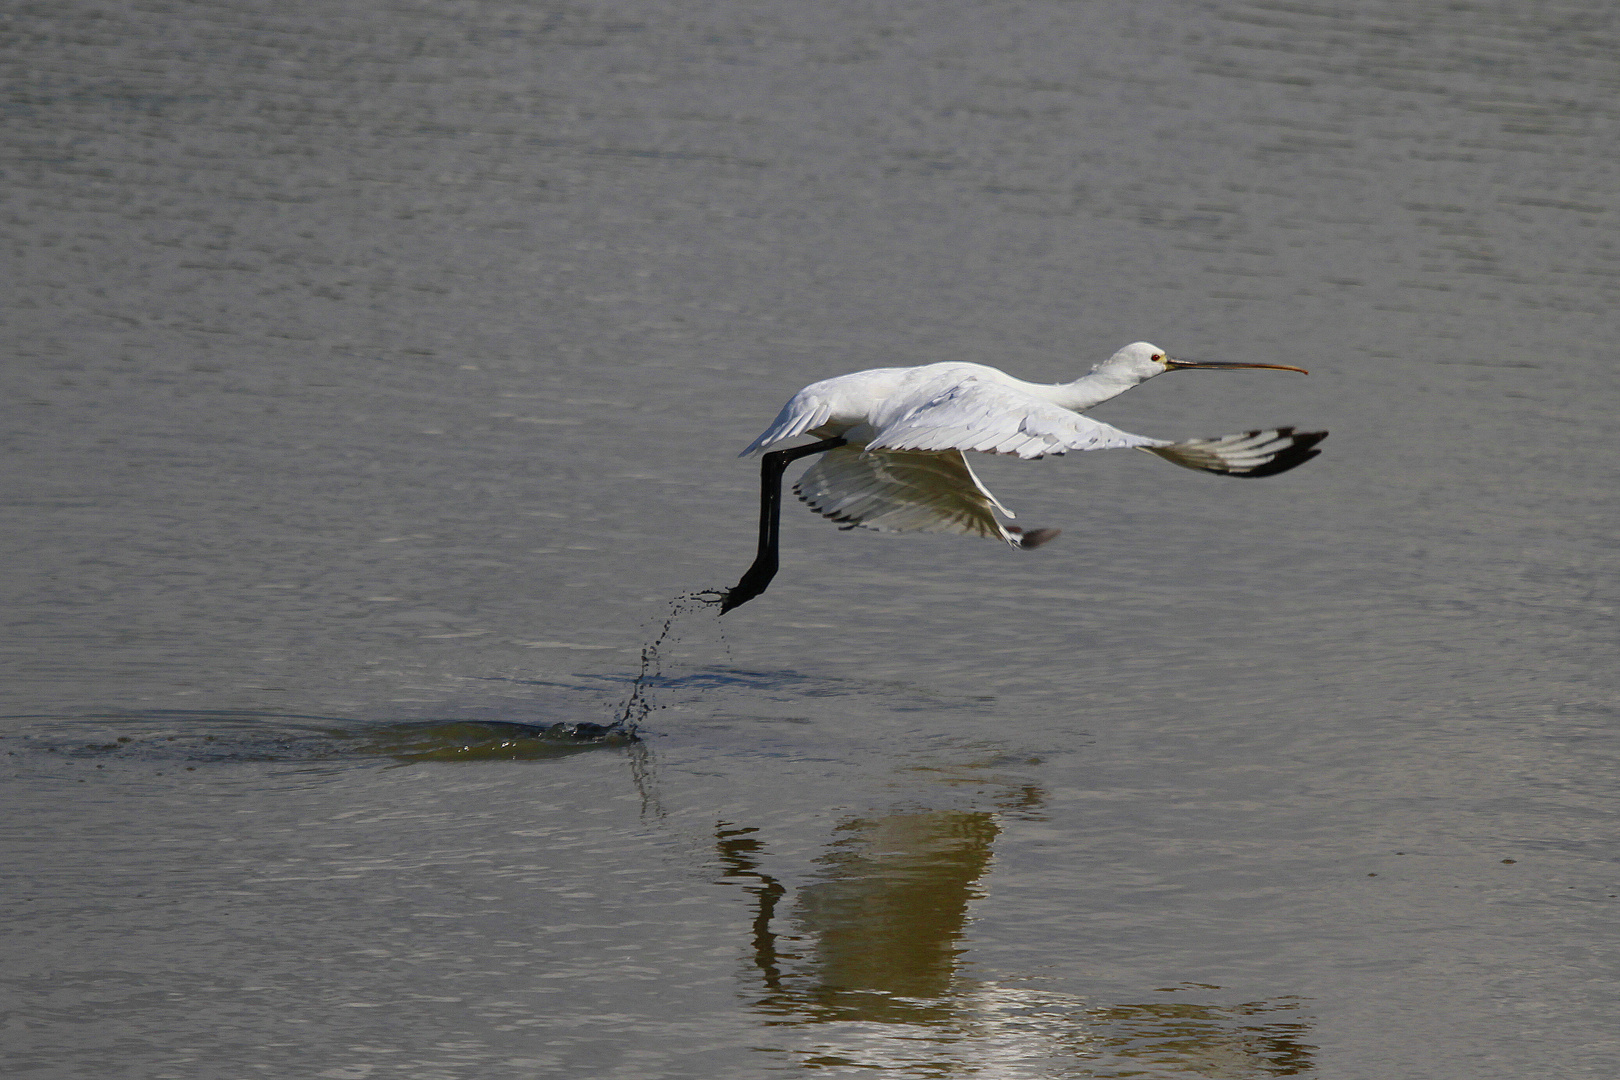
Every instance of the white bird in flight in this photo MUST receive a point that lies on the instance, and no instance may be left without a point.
(892, 442)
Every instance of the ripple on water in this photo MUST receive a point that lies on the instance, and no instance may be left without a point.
(193, 739)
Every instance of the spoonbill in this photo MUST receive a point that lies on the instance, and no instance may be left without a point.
(892, 442)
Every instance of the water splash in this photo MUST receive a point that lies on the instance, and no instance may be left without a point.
(638, 705)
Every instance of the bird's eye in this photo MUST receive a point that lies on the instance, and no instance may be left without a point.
(1158, 358)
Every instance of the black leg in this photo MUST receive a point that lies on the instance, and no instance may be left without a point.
(771, 469)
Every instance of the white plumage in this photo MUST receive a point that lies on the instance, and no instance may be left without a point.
(902, 467)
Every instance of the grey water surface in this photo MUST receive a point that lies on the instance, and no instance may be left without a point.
(374, 374)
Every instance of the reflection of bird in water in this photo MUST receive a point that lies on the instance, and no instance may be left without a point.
(892, 443)
(881, 922)
(867, 974)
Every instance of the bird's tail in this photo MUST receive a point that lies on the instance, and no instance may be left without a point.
(1252, 454)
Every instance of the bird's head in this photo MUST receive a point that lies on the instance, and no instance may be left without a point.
(1142, 360)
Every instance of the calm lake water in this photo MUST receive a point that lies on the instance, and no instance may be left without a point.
(375, 372)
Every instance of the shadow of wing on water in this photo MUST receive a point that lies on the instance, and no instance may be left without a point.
(718, 685)
(862, 968)
(786, 684)
(192, 738)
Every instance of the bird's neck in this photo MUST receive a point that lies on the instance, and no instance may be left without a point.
(1093, 389)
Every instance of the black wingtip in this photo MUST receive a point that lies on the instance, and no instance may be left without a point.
(1295, 455)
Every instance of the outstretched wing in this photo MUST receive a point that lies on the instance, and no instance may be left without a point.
(895, 491)
(997, 419)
